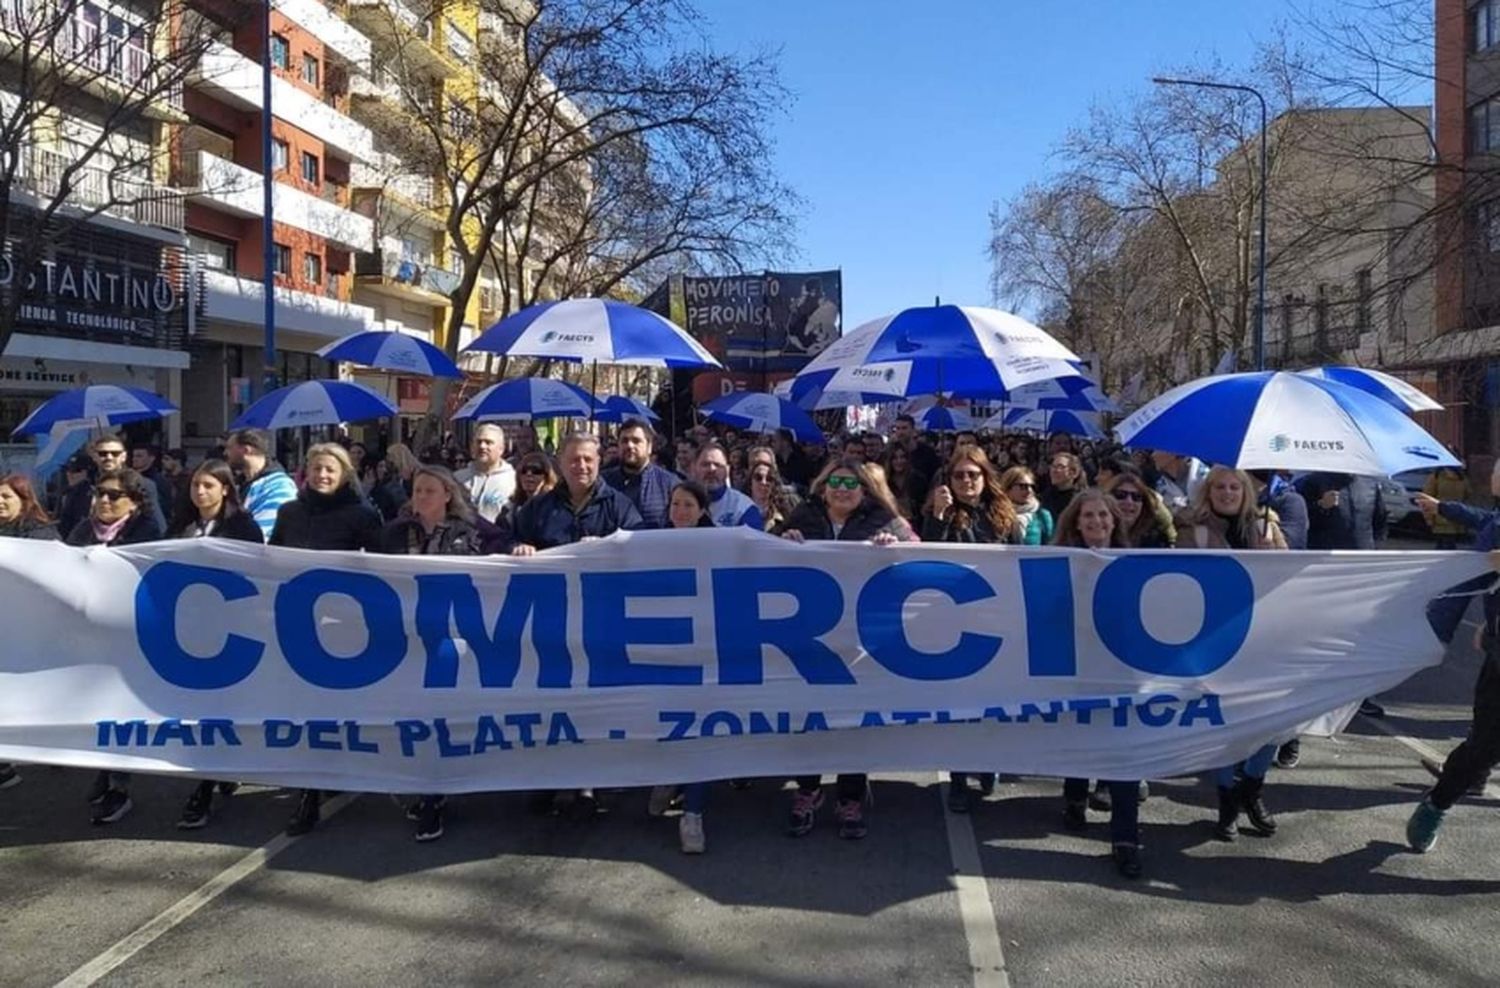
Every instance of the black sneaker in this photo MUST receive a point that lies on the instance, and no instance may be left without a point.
(9, 777)
(1371, 709)
(1099, 799)
(1128, 860)
(228, 788)
(1289, 754)
(306, 816)
(429, 820)
(115, 804)
(99, 788)
(986, 783)
(195, 813)
(415, 808)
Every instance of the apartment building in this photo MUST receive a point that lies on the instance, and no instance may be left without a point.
(106, 298)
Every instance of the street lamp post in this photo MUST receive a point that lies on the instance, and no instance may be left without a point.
(1260, 276)
(268, 207)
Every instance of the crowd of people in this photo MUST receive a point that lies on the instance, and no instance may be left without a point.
(510, 495)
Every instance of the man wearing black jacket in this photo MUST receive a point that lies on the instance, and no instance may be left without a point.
(581, 507)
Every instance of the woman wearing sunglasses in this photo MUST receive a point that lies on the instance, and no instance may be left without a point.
(119, 514)
(970, 508)
(1035, 521)
(765, 488)
(1224, 514)
(845, 506)
(1144, 516)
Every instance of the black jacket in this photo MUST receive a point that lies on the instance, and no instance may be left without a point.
(456, 537)
(811, 519)
(143, 527)
(390, 497)
(548, 520)
(237, 525)
(1056, 501)
(979, 530)
(25, 529)
(341, 520)
(1358, 522)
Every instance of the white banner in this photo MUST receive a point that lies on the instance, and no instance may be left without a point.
(662, 657)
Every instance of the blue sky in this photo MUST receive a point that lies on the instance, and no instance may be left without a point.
(911, 119)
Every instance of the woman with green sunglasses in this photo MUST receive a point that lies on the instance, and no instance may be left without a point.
(845, 505)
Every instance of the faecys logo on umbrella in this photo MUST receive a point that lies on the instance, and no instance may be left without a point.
(553, 336)
(1281, 442)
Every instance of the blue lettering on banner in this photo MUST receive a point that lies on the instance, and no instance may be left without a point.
(156, 600)
(297, 628)
(740, 632)
(1228, 602)
(1047, 587)
(543, 597)
(608, 631)
(882, 625)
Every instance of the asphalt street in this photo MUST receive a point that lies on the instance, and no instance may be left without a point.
(510, 897)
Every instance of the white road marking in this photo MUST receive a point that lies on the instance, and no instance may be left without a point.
(981, 930)
(174, 915)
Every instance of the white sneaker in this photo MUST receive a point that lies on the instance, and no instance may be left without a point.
(661, 800)
(690, 832)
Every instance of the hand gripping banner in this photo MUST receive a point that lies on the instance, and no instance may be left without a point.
(662, 657)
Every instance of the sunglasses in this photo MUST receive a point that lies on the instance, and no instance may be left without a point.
(110, 452)
(533, 472)
(966, 475)
(1135, 496)
(110, 495)
(844, 483)
(1023, 485)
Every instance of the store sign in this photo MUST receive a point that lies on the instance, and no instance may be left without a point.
(48, 376)
(94, 295)
(413, 394)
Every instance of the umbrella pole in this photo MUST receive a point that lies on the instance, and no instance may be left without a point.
(595, 390)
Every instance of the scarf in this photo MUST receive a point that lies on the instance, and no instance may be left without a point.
(105, 534)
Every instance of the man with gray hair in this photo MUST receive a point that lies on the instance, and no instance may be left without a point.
(488, 478)
(582, 507)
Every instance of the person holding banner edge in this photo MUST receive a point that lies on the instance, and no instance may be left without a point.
(1092, 521)
(842, 506)
(21, 517)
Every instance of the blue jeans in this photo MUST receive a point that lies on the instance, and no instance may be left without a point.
(1124, 807)
(1254, 767)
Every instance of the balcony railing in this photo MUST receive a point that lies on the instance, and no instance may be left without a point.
(119, 58)
(43, 172)
(406, 271)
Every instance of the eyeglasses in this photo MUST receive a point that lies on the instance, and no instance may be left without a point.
(966, 474)
(844, 483)
(761, 478)
(110, 495)
(1135, 496)
(1023, 485)
(533, 472)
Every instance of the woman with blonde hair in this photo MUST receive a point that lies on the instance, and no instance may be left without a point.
(1036, 522)
(1224, 515)
(880, 489)
(327, 514)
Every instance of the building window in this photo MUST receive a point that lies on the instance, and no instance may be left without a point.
(283, 259)
(281, 52)
(1484, 126)
(216, 255)
(1487, 223)
(1486, 24)
(309, 167)
(310, 68)
(280, 155)
(312, 269)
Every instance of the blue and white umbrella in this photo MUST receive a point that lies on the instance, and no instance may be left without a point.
(1047, 422)
(757, 412)
(941, 418)
(815, 399)
(96, 406)
(1077, 394)
(1387, 387)
(528, 399)
(968, 351)
(395, 352)
(618, 408)
(1273, 420)
(592, 330)
(315, 403)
